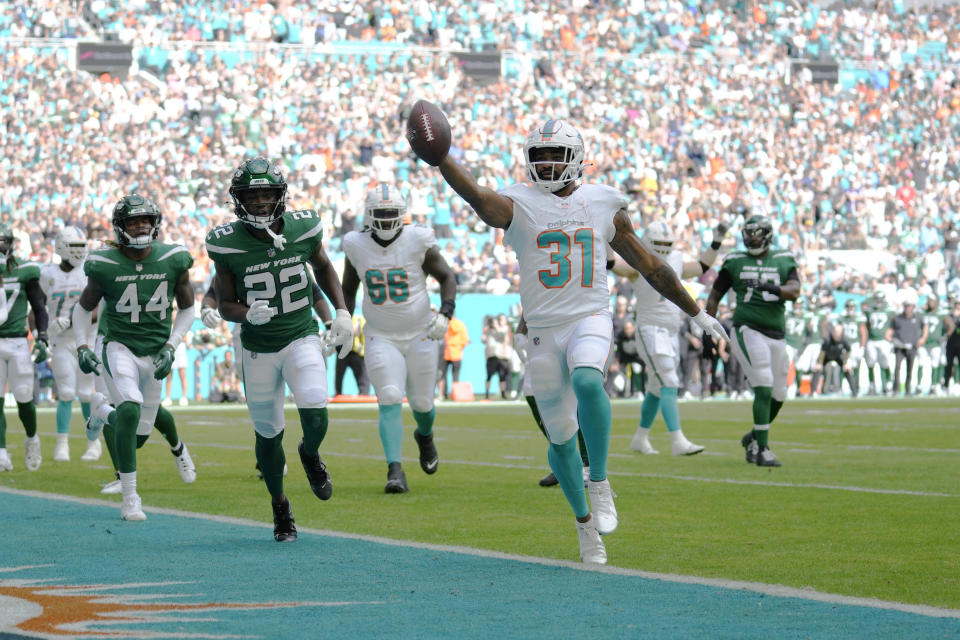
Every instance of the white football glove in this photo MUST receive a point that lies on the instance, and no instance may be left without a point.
(57, 326)
(437, 328)
(520, 345)
(341, 332)
(325, 346)
(260, 312)
(210, 317)
(710, 325)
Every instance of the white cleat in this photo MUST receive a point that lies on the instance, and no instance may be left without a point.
(183, 402)
(61, 450)
(601, 503)
(33, 456)
(6, 464)
(591, 546)
(94, 450)
(131, 508)
(188, 471)
(641, 443)
(685, 448)
(112, 488)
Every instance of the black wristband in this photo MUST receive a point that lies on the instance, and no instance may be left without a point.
(327, 324)
(447, 307)
(715, 245)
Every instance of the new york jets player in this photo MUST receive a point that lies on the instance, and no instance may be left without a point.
(854, 331)
(139, 279)
(401, 334)
(21, 283)
(62, 284)
(762, 279)
(931, 352)
(797, 330)
(560, 230)
(262, 282)
(658, 329)
(877, 349)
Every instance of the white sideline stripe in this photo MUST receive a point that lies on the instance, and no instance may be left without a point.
(776, 590)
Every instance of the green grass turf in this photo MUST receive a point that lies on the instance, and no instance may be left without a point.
(866, 504)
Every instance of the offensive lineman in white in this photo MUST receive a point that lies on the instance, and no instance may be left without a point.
(658, 325)
(393, 261)
(62, 284)
(560, 230)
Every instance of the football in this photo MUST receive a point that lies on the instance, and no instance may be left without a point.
(428, 132)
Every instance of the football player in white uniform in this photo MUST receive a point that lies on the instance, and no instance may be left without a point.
(402, 335)
(62, 283)
(560, 230)
(658, 329)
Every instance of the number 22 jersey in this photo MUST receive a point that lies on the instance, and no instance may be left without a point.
(561, 246)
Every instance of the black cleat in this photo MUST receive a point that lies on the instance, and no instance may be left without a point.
(549, 480)
(428, 453)
(750, 444)
(283, 529)
(317, 474)
(766, 458)
(396, 479)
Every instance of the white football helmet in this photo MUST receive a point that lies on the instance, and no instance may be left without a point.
(659, 238)
(383, 210)
(554, 134)
(71, 245)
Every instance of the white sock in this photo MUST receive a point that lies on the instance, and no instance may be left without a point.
(128, 483)
(676, 436)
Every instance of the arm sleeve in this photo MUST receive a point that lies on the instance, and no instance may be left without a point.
(83, 326)
(181, 324)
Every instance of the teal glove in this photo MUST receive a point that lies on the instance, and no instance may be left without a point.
(88, 361)
(41, 350)
(163, 362)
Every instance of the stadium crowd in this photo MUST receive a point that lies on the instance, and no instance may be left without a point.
(685, 107)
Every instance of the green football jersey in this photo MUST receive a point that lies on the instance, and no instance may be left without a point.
(138, 295)
(279, 276)
(936, 329)
(18, 307)
(877, 322)
(797, 330)
(756, 309)
(851, 326)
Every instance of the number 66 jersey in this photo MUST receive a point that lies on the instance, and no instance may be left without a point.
(279, 276)
(561, 245)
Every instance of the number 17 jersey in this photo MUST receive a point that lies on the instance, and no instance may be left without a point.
(561, 245)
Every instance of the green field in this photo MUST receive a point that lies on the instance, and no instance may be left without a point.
(867, 503)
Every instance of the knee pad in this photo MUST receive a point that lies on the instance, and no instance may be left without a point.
(390, 394)
(546, 376)
(421, 404)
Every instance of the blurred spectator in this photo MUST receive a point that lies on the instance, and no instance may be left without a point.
(226, 383)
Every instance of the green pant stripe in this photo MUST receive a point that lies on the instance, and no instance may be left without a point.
(743, 345)
(650, 359)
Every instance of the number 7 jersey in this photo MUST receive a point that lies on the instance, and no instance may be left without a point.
(138, 294)
(561, 245)
(279, 276)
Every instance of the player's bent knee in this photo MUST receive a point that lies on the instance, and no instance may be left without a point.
(390, 394)
(421, 404)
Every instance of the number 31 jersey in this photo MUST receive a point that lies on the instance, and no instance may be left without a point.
(279, 276)
(395, 304)
(138, 294)
(561, 246)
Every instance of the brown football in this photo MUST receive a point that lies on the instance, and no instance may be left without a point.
(428, 132)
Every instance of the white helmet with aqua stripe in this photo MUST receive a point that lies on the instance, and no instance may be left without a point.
(554, 154)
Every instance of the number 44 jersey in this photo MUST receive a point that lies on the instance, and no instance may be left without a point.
(138, 294)
(279, 276)
(561, 245)
(395, 302)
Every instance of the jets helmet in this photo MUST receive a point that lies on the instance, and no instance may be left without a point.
(757, 234)
(71, 245)
(259, 192)
(383, 211)
(6, 241)
(659, 238)
(136, 206)
(553, 171)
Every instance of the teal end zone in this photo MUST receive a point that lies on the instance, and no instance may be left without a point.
(230, 579)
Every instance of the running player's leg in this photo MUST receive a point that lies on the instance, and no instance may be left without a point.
(387, 369)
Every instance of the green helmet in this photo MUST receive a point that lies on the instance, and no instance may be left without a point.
(136, 206)
(757, 234)
(6, 240)
(259, 192)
